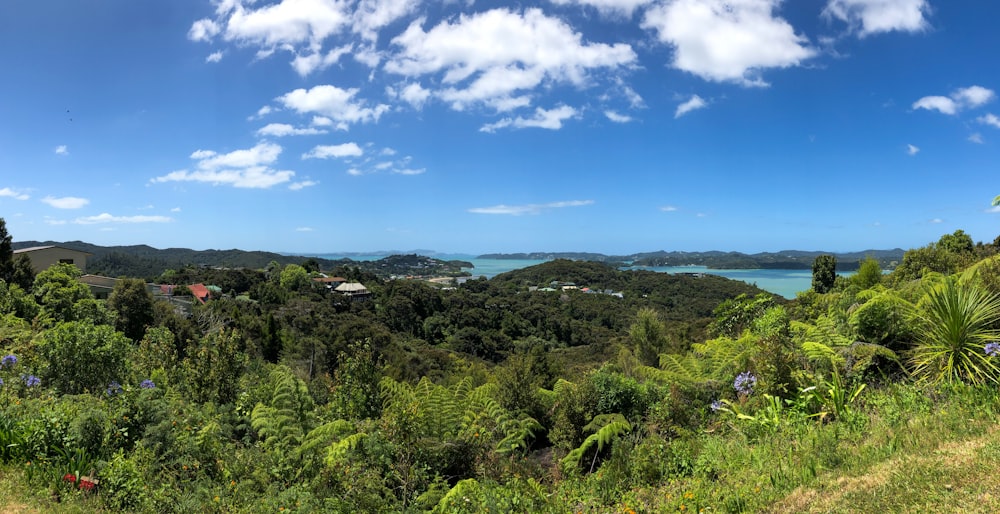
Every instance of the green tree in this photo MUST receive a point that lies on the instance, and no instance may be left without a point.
(869, 274)
(735, 315)
(83, 357)
(6, 254)
(134, 305)
(294, 277)
(958, 242)
(824, 273)
(24, 272)
(648, 335)
(57, 290)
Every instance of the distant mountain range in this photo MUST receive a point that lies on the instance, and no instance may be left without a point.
(785, 259)
(146, 261)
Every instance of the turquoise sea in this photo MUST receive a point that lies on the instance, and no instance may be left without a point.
(784, 282)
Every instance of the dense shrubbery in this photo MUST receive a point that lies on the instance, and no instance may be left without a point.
(685, 394)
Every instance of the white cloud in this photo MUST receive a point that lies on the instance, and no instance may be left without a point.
(214, 57)
(617, 118)
(283, 129)
(263, 111)
(62, 150)
(994, 209)
(912, 150)
(175, 209)
(727, 41)
(108, 218)
(298, 186)
(304, 229)
(334, 151)
(248, 168)
(203, 30)
(608, 7)
(333, 103)
(936, 221)
(66, 202)
(960, 99)
(322, 121)
(974, 96)
(976, 138)
(989, 119)
(10, 193)
(412, 93)
(493, 57)
(409, 171)
(548, 119)
(373, 15)
(387, 151)
(283, 24)
(315, 61)
(869, 17)
(942, 104)
(694, 103)
(355, 172)
(536, 208)
(669, 208)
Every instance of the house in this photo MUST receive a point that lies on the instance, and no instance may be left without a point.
(200, 292)
(330, 282)
(44, 256)
(355, 290)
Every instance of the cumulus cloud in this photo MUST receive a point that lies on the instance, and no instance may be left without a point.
(175, 209)
(960, 99)
(912, 150)
(62, 150)
(548, 119)
(669, 208)
(727, 41)
(334, 151)
(249, 168)
(333, 103)
(283, 129)
(412, 93)
(535, 208)
(316, 61)
(214, 57)
(616, 117)
(868, 17)
(694, 103)
(302, 28)
(608, 7)
(10, 193)
(989, 119)
(66, 202)
(409, 171)
(108, 218)
(495, 57)
(977, 138)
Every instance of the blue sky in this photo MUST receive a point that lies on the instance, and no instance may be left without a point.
(464, 126)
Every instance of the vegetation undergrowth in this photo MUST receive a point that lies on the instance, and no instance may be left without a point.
(867, 394)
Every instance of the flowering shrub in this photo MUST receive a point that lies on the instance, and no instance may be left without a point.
(31, 380)
(114, 388)
(147, 384)
(8, 361)
(992, 349)
(744, 383)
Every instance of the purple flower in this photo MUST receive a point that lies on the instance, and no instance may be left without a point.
(1, 382)
(8, 361)
(992, 349)
(716, 405)
(147, 384)
(114, 388)
(31, 380)
(744, 383)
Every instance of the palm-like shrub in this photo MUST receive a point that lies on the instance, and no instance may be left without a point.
(958, 319)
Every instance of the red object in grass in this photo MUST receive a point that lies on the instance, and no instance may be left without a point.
(86, 484)
(69, 477)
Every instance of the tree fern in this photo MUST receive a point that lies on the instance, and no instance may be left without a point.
(607, 427)
(283, 420)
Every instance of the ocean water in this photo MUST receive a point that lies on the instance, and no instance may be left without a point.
(783, 282)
